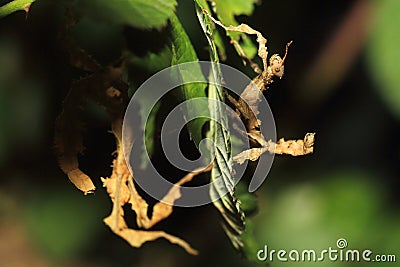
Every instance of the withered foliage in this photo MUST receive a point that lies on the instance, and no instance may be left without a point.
(121, 188)
(290, 147)
(105, 87)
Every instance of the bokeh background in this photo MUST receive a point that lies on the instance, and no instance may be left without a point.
(342, 80)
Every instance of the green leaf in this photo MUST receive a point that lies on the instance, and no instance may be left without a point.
(179, 50)
(384, 54)
(183, 51)
(226, 11)
(152, 62)
(15, 6)
(223, 184)
(141, 14)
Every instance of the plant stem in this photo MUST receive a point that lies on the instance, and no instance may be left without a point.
(14, 6)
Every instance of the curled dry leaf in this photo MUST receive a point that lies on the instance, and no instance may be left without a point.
(97, 87)
(289, 147)
(295, 147)
(244, 28)
(252, 154)
(121, 188)
(68, 144)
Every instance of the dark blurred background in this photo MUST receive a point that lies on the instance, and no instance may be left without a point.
(341, 81)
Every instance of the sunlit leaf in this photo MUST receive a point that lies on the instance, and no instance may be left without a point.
(227, 10)
(183, 51)
(178, 50)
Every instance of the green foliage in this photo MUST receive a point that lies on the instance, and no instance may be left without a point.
(183, 51)
(141, 14)
(384, 54)
(227, 10)
(178, 50)
(249, 206)
(152, 62)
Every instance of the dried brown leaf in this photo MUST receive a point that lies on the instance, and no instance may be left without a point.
(296, 147)
(289, 147)
(105, 87)
(136, 238)
(164, 208)
(244, 28)
(81, 181)
(68, 144)
(252, 154)
(98, 87)
(121, 188)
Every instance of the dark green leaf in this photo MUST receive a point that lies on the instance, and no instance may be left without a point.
(179, 50)
(141, 14)
(152, 62)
